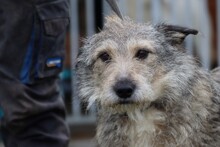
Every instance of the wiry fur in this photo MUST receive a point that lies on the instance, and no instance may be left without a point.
(176, 103)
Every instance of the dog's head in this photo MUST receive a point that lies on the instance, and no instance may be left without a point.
(131, 64)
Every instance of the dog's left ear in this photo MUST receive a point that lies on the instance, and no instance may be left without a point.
(175, 34)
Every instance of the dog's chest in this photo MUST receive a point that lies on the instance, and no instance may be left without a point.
(144, 127)
(137, 129)
(140, 134)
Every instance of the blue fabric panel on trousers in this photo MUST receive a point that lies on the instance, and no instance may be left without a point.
(24, 76)
(1, 113)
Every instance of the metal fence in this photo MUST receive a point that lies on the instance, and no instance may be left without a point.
(180, 12)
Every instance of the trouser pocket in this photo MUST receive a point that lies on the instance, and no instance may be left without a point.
(54, 18)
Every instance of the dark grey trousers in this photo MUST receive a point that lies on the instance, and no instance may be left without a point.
(32, 34)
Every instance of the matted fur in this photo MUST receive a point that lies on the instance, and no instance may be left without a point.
(175, 104)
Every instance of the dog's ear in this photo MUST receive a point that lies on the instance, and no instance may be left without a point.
(175, 34)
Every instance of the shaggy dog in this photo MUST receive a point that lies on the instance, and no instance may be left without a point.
(148, 91)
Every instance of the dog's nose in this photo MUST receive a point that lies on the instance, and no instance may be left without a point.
(124, 89)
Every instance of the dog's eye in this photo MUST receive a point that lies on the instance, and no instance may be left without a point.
(142, 54)
(105, 57)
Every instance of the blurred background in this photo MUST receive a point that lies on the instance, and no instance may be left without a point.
(87, 18)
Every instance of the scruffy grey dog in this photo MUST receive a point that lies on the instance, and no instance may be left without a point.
(148, 91)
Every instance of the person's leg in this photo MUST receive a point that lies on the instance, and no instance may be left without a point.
(31, 55)
(47, 130)
(37, 119)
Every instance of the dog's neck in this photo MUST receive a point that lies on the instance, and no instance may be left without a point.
(131, 129)
(149, 128)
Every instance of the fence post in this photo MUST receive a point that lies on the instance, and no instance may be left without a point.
(204, 48)
(106, 8)
(188, 22)
(90, 30)
(218, 27)
(74, 36)
(140, 10)
(90, 23)
(156, 11)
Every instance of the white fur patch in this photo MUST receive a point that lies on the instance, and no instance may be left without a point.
(143, 128)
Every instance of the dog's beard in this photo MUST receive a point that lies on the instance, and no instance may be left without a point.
(127, 108)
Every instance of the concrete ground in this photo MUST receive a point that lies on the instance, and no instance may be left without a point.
(76, 143)
(82, 143)
(81, 136)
